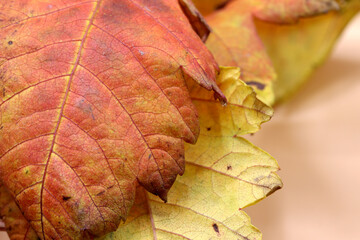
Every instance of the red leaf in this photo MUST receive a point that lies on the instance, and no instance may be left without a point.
(93, 100)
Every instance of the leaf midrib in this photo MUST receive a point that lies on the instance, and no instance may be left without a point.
(87, 30)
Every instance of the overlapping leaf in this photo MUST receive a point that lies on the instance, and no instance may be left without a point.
(224, 173)
(17, 226)
(235, 41)
(94, 100)
(244, 112)
(297, 50)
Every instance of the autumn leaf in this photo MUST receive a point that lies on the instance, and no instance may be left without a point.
(224, 173)
(244, 112)
(17, 226)
(297, 50)
(235, 41)
(94, 101)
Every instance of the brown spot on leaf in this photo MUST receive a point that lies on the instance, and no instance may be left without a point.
(229, 167)
(65, 198)
(10, 42)
(209, 128)
(258, 85)
(215, 227)
(274, 189)
(100, 193)
(222, 5)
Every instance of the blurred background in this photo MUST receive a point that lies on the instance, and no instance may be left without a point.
(315, 136)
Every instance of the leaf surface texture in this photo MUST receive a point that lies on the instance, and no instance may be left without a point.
(224, 173)
(94, 101)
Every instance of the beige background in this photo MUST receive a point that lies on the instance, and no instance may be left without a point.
(316, 139)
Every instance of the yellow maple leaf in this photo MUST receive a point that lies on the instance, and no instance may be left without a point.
(276, 59)
(296, 50)
(224, 173)
(234, 40)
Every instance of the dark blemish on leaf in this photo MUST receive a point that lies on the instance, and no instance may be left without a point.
(10, 42)
(260, 86)
(38, 238)
(149, 156)
(100, 193)
(240, 209)
(215, 227)
(10, 210)
(9, 228)
(1, 127)
(209, 128)
(85, 107)
(229, 167)
(65, 198)
(27, 171)
(110, 187)
(222, 5)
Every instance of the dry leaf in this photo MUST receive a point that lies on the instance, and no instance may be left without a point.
(94, 100)
(235, 41)
(297, 50)
(224, 173)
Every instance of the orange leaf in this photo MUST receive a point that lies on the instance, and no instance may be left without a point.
(93, 100)
(235, 42)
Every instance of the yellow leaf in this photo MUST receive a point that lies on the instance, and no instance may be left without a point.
(243, 114)
(235, 41)
(224, 173)
(296, 50)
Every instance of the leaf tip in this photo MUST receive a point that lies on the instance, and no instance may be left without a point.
(195, 18)
(218, 95)
(274, 189)
(163, 195)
